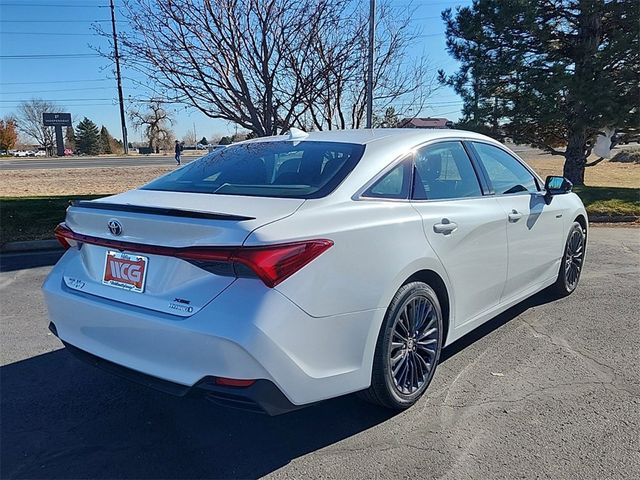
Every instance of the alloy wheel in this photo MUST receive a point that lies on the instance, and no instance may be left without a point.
(573, 259)
(414, 345)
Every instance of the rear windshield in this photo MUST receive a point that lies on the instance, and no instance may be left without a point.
(266, 169)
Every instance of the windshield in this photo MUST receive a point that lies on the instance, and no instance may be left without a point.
(266, 169)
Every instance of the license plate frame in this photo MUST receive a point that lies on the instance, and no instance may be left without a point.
(127, 271)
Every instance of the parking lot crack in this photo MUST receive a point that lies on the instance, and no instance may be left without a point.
(595, 364)
(541, 391)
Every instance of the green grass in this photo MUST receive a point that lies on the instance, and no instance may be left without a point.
(32, 218)
(610, 201)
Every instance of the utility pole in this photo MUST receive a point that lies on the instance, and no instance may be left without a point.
(372, 34)
(125, 142)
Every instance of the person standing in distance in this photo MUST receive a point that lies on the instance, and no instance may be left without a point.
(178, 152)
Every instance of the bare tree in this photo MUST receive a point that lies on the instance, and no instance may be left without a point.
(155, 121)
(190, 138)
(340, 56)
(167, 142)
(30, 123)
(267, 65)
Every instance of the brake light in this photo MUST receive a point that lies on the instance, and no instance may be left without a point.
(271, 263)
(64, 235)
(276, 263)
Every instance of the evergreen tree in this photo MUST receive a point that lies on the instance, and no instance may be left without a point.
(390, 119)
(550, 74)
(225, 141)
(88, 137)
(70, 138)
(105, 140)
(204, 141)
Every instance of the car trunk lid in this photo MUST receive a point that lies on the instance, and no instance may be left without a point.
(166, 220)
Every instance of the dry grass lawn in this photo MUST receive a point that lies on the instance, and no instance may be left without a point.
(604, 174)
(75, 181)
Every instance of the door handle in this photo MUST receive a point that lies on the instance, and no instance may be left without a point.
(445, 227)
(514, 216)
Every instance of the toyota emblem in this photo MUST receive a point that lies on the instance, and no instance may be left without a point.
(115, 227)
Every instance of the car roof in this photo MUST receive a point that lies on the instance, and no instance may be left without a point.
(366, 136)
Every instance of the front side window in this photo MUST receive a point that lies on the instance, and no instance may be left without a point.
(304, 169)
(507, 175)
(444, 171)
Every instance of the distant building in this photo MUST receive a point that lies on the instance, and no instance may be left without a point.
(428, 122)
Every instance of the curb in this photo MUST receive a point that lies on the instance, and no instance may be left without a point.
(30, 246)
(44, 245)
(613, 219)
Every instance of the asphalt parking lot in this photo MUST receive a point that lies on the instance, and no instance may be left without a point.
(550, 389)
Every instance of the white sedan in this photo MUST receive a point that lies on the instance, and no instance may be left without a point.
(281, 271)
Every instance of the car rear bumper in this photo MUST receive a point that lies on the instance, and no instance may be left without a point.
(247, 332)
(262, 396)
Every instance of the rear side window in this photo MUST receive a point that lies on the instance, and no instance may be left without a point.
(303, 169)
(395, 184)
(507, 174)
(444, 171)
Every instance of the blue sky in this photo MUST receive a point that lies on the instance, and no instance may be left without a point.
(33, 32)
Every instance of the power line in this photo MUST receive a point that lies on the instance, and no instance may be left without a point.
(58, 90)
(67, 100)
(50, 5)
(43, 56)
(75, 105)
(58, 21)
(48, 34)
(429, 4)
(57, 81)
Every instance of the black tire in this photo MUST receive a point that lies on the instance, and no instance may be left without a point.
(572, 262)
(388, 386)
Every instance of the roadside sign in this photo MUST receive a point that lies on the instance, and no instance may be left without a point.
(56, 119)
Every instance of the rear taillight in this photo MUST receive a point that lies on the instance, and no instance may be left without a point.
(64, 235)
(271, 263)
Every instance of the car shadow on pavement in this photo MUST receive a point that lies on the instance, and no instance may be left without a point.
(64, 419)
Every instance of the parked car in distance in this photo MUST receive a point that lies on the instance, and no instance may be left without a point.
(68, 152)
(213, 148)
(40, 153)
(281, 271)
(21, 153)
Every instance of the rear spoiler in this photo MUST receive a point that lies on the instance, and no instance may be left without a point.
(169, 212)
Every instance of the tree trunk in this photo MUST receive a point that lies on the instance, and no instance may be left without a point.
(575, 158)
(587, 41)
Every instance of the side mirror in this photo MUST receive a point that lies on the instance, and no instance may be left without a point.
(556, 185)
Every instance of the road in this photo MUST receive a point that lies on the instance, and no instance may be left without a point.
(90, 162)
(550, 389)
